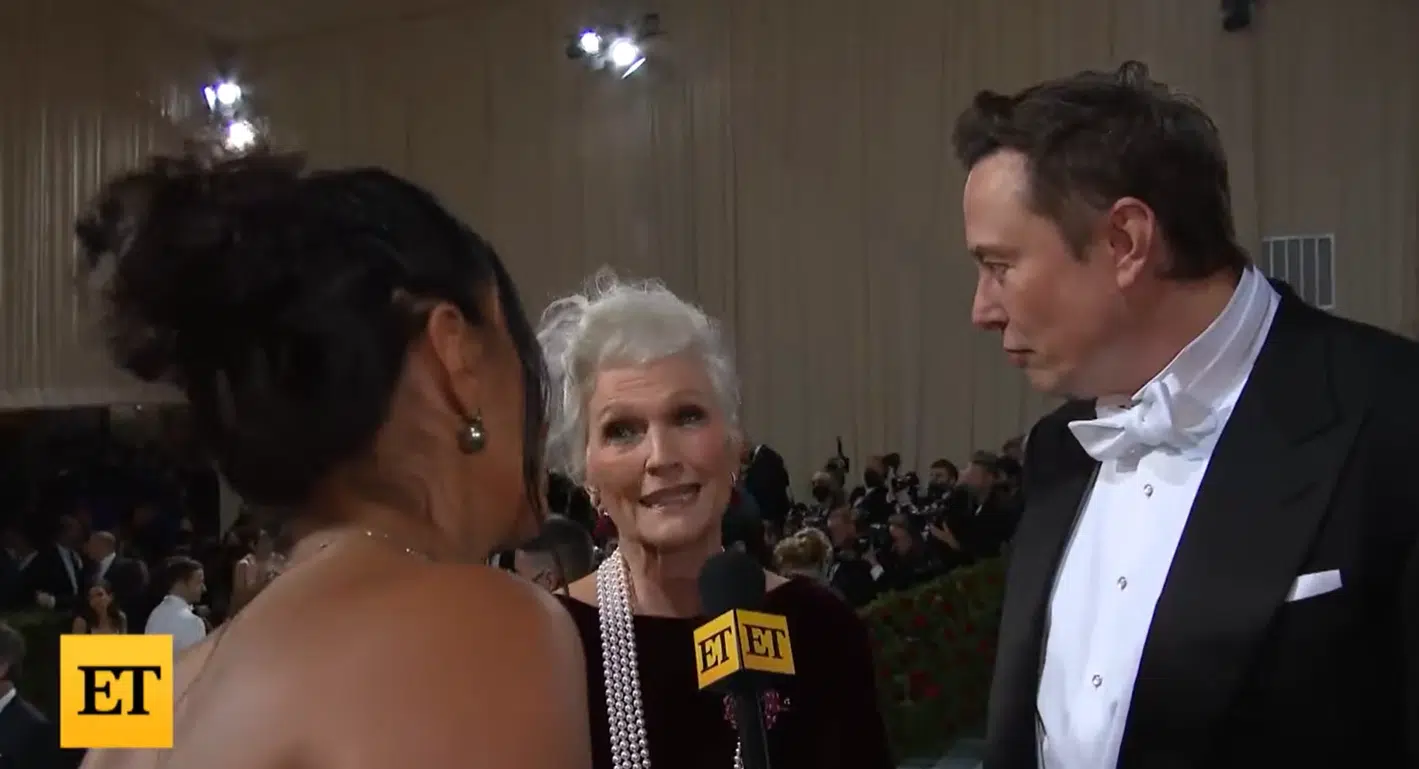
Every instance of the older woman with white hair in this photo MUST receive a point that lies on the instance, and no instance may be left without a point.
(645, 414)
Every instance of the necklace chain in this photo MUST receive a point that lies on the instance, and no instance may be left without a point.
(620, 666)
(379, 536)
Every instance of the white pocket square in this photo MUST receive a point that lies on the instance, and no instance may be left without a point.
(1312, 585)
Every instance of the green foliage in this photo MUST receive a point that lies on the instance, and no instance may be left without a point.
(40, 681)
(935, 648)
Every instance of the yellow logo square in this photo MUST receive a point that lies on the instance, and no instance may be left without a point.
(115, 691)
(716, 650)
(764, 642)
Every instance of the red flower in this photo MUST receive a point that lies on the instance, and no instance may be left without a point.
(918, 621)
(931, 691)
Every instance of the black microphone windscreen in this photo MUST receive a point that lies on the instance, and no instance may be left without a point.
(731, 580)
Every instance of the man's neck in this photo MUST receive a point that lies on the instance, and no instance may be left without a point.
(1171, 321)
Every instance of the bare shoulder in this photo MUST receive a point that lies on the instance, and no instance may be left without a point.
(462, 656)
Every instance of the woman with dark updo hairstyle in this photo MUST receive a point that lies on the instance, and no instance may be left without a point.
(355, 355)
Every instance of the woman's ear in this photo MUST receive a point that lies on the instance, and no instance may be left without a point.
(459, 350)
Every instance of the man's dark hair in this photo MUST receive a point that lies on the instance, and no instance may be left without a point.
(12, 652)
(947, 465)
(1095, 137)
(568, 543)
(178, 568)
(892, 461)
(986, 459)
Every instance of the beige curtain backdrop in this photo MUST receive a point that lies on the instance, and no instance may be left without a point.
(787, 165)
(86, 89)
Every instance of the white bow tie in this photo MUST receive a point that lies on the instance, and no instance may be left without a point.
(1158, 419)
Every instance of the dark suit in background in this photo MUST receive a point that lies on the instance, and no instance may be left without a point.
(47, 573)
(766, 479)
(28, 740)
(1313, 472)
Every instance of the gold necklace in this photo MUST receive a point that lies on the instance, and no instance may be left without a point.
(377, 536)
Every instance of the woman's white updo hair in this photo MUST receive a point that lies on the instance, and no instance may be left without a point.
(617, 323)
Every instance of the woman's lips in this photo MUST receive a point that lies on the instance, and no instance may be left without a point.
(671, 496)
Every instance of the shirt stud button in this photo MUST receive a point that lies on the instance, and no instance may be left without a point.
(1147, 489)
(1122, 583)
(1097, 681)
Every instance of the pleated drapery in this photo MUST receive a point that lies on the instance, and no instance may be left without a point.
(786, 164)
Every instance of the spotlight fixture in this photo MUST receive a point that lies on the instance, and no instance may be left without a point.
(619, 49)
(1237, 14)
(231, 115)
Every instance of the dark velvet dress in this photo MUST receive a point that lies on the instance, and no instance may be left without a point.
(825, 717)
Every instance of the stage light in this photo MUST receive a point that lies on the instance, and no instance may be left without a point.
(241, 134)
(623, 52)
(224, 95)
(619, 48)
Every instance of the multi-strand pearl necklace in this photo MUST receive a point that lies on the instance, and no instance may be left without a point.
(621, 667)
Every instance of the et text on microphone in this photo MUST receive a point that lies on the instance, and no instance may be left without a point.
(742, 644)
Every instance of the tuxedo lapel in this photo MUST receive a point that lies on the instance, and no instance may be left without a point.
(1265, 492)
(1058, 475)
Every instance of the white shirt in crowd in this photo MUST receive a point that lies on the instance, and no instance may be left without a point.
(103, 565)
(1153, 453)
(8, 698)
(174, 617)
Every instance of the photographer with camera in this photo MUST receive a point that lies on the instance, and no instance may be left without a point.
(854, 569)
(901, 555)
(976, 517)
(828, 494)
(874, 498)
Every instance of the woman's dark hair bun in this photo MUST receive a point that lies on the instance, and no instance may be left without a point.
(281, 302)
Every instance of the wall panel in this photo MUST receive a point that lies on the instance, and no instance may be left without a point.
(788, 165)
(88, 88)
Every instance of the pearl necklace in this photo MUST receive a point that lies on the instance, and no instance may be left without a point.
(621, 668)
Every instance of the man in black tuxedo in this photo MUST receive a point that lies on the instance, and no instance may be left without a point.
(766, 479)
(27, 739)
(58, 571)
(128, 577)
(1217, 564)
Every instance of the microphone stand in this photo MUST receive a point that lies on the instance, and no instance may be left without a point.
(753, 732)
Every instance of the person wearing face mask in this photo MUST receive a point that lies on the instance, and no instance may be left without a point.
(644, 413)
(873, 499)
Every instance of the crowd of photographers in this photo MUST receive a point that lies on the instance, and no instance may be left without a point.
(891, 531)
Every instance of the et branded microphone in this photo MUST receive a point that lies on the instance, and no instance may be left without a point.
(742, 650)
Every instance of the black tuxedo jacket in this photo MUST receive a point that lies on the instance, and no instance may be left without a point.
(28, 740)
(49, 575)
(766, 478)
(1314, 471)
